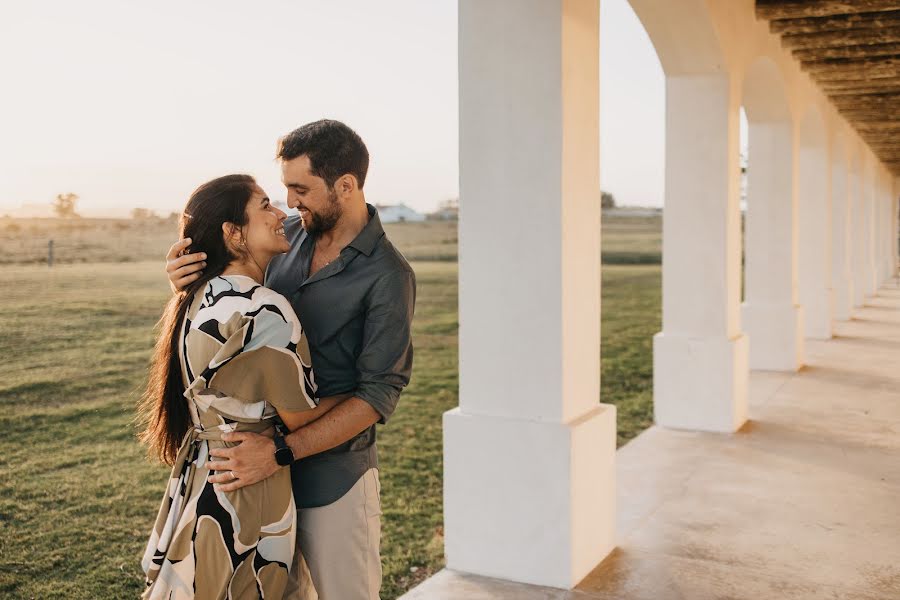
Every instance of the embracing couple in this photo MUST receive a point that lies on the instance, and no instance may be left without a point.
(287, 340)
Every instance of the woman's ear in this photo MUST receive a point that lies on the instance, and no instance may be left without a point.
(232, 235)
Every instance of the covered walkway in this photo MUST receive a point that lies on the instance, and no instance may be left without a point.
(750, 480)
(801, 503)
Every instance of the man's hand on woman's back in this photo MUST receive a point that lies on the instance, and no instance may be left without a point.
(183, 267)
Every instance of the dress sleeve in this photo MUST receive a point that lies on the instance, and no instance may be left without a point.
(265, 357)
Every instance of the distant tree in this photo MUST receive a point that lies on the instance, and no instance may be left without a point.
(607, 200)
(142, 214)
(64, 205)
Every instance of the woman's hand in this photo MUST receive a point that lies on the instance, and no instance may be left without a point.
(183, 268)
(251, 461)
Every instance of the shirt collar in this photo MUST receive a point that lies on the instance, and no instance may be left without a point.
(368, 238)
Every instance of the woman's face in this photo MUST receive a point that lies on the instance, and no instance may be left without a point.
(264, 231)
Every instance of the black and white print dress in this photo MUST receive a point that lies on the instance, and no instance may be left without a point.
(243, 355)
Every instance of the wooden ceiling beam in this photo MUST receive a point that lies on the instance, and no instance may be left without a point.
(863, 79)
(832, 39)
(836, 92)
(886, 101)
(868, 114)
(857, 83)
(884, 149)
(794, 9)
(878, 124)
(851, 49)
(879, 135)
(880, 138)
(888, 18)
(858, 51)
(840, 69)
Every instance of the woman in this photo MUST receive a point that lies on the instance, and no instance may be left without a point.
(231, 356)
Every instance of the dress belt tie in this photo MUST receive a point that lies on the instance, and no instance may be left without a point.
(195, 434)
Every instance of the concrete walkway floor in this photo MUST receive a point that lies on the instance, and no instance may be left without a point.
(802, 503)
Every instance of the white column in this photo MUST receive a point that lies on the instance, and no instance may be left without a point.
(529, 454)
(878, 228)
(870, 186)
(885, 223)
(842, 285)
(895, 226)
(773, 317)
(859, 233)
(700, 365)
(881, 224)
(814, 243)
(888, 220)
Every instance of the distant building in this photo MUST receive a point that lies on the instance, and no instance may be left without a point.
(447, 211)
(398, 213)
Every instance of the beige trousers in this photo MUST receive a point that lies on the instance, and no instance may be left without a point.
(337, 555)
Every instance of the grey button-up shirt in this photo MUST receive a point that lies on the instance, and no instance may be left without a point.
(357, 315)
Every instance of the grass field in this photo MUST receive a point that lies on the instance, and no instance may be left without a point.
(77, 496)
(25, 241)
(626, 240)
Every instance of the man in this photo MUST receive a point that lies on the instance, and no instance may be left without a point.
(354, 294)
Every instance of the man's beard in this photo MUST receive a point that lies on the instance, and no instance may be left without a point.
(321, 222)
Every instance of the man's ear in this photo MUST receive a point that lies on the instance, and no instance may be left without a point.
(346, 185)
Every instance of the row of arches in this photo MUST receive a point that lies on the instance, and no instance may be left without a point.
(529, 455)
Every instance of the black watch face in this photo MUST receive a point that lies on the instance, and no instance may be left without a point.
(284, 456)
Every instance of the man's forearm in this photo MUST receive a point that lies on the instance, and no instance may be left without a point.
(343, 422)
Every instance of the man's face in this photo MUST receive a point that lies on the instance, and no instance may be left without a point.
(318, 205)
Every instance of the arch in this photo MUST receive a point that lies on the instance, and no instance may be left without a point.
(764, 94)
(701, 193)
(683, 34)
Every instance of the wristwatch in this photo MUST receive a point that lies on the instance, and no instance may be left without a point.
(283, 454)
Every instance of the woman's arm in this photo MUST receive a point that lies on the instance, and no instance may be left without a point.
(295, 420)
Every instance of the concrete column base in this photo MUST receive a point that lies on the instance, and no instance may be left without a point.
(700, 383)
(776, 336)
(843, 299)
(529, 501)
(859, 296)
(817, 316)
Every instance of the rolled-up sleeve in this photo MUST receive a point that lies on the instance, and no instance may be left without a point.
(385, 361)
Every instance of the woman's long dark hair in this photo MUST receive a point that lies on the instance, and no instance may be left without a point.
(163, 410)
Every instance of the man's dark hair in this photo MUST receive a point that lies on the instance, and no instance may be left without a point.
(333, 150)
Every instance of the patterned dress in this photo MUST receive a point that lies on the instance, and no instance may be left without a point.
(243, 355)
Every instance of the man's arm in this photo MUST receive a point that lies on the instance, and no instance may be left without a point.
(342, 423)
(255, 460)
(383, 368)
(183, 269)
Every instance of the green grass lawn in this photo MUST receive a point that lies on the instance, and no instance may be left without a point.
(77, 495)
(630, 240)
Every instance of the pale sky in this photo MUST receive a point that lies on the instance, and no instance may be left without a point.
(134, 104)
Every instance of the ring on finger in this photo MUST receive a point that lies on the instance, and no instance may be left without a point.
(233, 476)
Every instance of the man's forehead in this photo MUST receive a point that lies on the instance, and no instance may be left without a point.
(296, 169)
